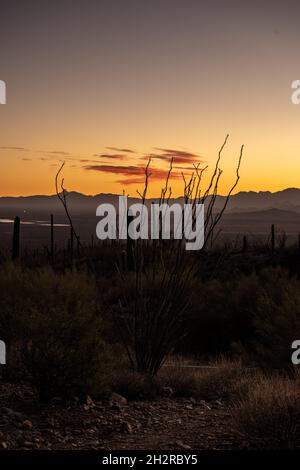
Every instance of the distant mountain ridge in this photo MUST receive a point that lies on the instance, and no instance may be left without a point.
(248, 213)
(243, 201)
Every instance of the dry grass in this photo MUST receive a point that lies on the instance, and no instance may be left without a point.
(217, 381)
(269, 415)
(221, 380)
(134, 386)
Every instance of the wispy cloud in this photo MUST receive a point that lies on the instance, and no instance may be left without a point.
(179, 156)
(133, 174)
(21, 149)
(110, 156)
(121, 150)
(56, 152)
(117, 169)
(114, 162)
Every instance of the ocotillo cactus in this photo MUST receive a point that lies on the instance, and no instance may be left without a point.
(16, 239)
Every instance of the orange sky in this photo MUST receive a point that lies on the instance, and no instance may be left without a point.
(170, 78)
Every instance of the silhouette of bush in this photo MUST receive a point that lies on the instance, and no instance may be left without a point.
(52, 326)
(220, 315)
(14, 300)
(63, 335)
(277, 319)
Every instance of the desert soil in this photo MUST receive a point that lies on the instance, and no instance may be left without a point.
(114, 423)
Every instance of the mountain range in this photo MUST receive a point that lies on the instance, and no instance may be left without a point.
(243, 201)
(248, 213)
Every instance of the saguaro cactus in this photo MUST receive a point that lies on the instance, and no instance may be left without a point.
(272, 238)
(245, 243)
(52, 241)
(16, 239)
(130, 246)
(71, 243)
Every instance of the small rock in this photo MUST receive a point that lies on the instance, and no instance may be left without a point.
(27, 424)
(204, 404)
(115, 406)
(89, 402)
(27, 444)
(129, 428)
(167, 392)
(182, 445)
(116, 398)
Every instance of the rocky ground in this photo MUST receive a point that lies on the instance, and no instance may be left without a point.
(113, 423)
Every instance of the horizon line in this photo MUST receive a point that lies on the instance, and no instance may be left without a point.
(138, 197)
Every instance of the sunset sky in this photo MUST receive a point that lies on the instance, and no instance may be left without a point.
(104, 84)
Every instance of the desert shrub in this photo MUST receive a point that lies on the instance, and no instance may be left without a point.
(220, 314)
(151, 314)
(256, 315)
(277, 318)
(217, 381)
(62, 339)
(269, 416)
(13, 301)
(52, 327)
(14, 306)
